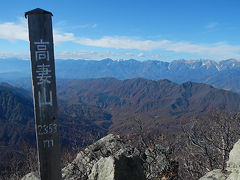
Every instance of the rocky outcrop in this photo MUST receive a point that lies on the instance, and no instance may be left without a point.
(121, 168)
(112, 159)
(104, 168)
(31, 176)
(108, 157)
(233, 167)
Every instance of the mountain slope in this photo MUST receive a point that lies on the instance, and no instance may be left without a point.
(80, 125)
(17, 120)
(157, 103)
(15, 111)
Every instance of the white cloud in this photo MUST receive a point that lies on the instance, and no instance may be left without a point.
(14, 31)
(117, 54)
(157, 56)
(76, 55)
(141, 55)
(83, 26)
(62, 37)
(18, 31)
(14, 55)
(122, 43)
(92, 55)
(216, 51)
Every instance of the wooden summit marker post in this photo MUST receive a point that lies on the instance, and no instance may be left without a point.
(44, 91)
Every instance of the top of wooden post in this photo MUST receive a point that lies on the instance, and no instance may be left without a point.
(37, 11)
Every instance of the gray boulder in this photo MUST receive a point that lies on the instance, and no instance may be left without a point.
(233, 167)
(111, 159)
(108, 157)
(234, 157)
(119, 168)
(103, 169)
(31, 176)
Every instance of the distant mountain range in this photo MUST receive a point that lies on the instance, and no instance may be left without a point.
(224, 74)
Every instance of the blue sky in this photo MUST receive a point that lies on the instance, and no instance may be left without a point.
(163, 30)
